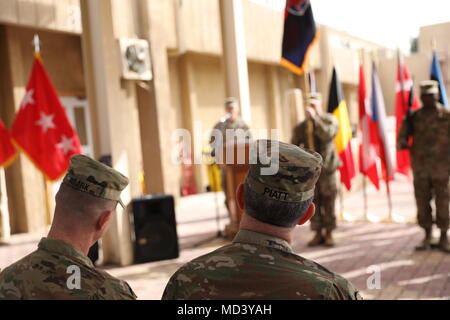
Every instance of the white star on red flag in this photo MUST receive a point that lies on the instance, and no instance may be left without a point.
(46, 122)
(66, 144)
(50, 150)
(27, 99)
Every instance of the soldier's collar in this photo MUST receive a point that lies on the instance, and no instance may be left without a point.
(64, 249)
(265, 240)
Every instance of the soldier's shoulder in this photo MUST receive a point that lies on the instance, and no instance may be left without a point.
(115, 288)
(222, 256)
(20, 277)
(328, 285)
(344, 289)
(240, 124)
(444, 110)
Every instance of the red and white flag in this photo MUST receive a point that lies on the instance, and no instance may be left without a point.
(41, 129)
(7, 151)
(367, 150)
(401, 108)
(380, 120)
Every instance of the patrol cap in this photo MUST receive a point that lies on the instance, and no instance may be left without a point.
(231, 102)
(429, 87)
(93, 177)
(295, 180)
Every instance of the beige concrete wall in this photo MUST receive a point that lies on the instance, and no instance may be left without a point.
(201, 26)
(115, 114)
(259, 98)
(263, 32)
(61, 54)
(436, 37)
(61, 15)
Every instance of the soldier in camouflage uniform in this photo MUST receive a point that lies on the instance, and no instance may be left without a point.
(236, 128)
(260, 262)
(324, 128)
(430, 129)
(60, 268)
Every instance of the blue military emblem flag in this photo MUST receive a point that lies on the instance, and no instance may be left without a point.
(300, 34)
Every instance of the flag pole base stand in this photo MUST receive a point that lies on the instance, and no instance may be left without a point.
(398, 218)
(347, 217)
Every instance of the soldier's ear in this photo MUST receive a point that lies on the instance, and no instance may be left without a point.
(102, 222)
(308, 214)
(240, 196)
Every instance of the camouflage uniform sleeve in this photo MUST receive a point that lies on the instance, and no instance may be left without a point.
(169, 291)
(298, 138)
(403, 137)
(342, 289)
(123, 291)
(326, 127)
(8, 287)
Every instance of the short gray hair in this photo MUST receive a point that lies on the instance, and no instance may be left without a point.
(274, 212)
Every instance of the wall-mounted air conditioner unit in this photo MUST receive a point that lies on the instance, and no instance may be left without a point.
(135, 59)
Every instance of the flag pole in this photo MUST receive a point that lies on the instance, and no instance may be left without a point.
(388, 189)
(47, 183)
(402, 80)
(342, 214)
(361, 62)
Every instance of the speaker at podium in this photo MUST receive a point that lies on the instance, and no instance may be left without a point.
(155, 231)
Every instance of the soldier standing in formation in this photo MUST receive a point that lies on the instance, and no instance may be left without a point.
(430, 129)
(260, 262)
(317, 133)
(60, 268)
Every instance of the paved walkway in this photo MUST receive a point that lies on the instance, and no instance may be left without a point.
(363, 248)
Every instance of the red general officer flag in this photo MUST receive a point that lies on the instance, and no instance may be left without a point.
(41, 128)
(7, 151)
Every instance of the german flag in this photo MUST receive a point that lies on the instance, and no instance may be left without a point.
(7, 151)
(300, 34)
(338, 107)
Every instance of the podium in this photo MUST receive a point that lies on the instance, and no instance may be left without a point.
(235, 161)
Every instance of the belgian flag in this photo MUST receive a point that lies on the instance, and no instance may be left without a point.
(7, 151)
(338, 107)
(300, 34)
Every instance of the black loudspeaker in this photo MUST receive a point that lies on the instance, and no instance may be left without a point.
(155, 230)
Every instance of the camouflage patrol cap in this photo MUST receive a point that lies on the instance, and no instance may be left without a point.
(93, 177)
(429, 87)
(231, 102)
(295, 180)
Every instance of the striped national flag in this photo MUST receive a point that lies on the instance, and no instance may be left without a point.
(338, 107)
(379, 118)
(367, 153)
